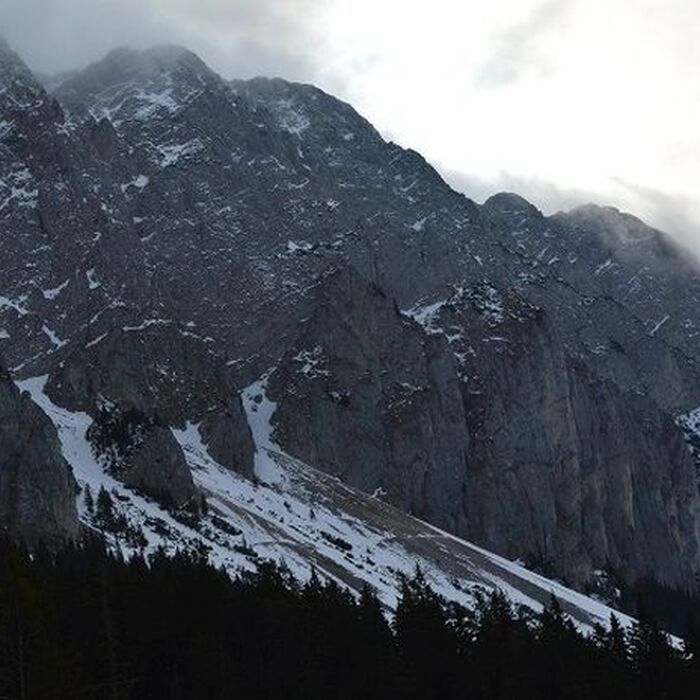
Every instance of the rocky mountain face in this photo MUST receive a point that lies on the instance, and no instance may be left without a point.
(37, 489)
(170, 237)
(559, 457)
(166, 376)
(365, 394)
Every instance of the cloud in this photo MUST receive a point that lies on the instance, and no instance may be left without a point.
(239, 38)
(547, 196)
(676, 214)
(518, 48)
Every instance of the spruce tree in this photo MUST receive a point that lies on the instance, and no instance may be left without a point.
(651, 657)
(88, 501)
(105, 509)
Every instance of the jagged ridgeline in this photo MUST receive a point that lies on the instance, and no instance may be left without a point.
(198, 273)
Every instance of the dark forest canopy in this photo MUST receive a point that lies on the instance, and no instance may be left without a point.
(87, 624)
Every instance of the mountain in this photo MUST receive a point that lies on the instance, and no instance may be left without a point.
(525, 382)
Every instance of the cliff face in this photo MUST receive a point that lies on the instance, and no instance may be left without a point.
(515, 445)
(137, 383)
(166, 374)
(366, 395)
(562, 461)
(37, 489)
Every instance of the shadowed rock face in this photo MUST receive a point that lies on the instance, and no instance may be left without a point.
(517, 444)
(365, 394)
(589, 476)
(166, 376)
(37, 489)
(525, 395)
(142, 453)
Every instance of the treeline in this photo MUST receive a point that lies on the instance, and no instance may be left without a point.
(86, 624)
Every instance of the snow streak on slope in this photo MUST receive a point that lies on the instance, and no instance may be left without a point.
(159, 527)
(259, 410)
(306, 519)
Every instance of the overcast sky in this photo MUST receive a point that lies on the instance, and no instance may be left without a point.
(563, 101)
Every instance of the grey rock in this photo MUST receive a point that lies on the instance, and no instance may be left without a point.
(142, 454)
(517, 446)
(563, 465)
(365, 394)
(37, 489)
(158, 467)
(164, 373)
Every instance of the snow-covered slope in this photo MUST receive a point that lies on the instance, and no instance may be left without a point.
(303, 518)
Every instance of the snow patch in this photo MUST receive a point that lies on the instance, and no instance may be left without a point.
(299, 246)
(259, 411)
(425, 314)
(53, 293)
(93, 281)
(16, 304)
(138, 182)
(312, 361)
(153, 102)
(290, 117)
(172, 154)
(19, 189)
(603, 267)
(57, 342)
(658, 325)
(488, 302)
(419, 225)
(5, 128)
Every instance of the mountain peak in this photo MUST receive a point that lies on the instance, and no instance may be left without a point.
(126, 81)
(11, 65)
(123, 63)
(627, 227)
(17, 81)
(174, 54)
(509, 203)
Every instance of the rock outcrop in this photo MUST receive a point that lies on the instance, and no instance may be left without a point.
(142, 454)
(562, 462)
(365, 394)
(516, 445)
(165, 375)
(37, 489)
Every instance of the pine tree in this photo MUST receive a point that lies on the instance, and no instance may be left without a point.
(651, 657)
(88, 501)
(691, 652)
(616, 641)
(105, 509)
(428, 647)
